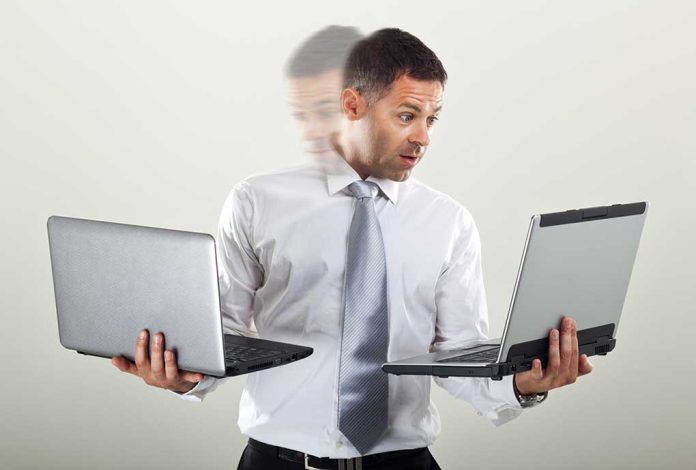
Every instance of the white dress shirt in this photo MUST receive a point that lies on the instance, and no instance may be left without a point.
(281, 258)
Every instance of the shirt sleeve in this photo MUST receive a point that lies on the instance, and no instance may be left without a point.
(462, 318)
(239, 272)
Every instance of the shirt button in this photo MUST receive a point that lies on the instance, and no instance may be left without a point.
(339, 444)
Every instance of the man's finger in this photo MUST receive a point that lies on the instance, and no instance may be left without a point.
(574, 358)
(142, 360)
(554, 363)
(124, 365)
(566, 345)
(171, 370)
(157, 357)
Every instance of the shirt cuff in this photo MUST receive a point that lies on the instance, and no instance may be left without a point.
(510, 407)
(198, 392)
(505, 390)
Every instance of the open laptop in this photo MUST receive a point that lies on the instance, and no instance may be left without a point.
(576, 263)
(113, 280)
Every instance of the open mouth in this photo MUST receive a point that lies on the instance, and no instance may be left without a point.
(320, 151)
(409, 160)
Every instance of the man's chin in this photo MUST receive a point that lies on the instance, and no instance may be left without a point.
(399, 176)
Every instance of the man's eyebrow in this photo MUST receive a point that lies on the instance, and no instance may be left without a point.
(417, 108)
(412, 106)
(325, 101)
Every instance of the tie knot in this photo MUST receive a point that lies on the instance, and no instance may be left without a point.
(361, 189)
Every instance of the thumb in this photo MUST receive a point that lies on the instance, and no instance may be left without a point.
(537, 371)
(585, 366)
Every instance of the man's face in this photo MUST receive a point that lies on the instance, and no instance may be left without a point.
(394, 133)
(315, 103)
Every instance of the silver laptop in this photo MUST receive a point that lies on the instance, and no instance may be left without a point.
(576, 263)
(113, 280)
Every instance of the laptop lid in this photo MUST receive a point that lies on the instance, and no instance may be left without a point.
(112, 280)
(576, 263)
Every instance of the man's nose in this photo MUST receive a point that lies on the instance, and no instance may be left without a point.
(420, 135)
(313, 129)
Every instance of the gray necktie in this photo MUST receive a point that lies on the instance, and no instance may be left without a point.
(363, 387)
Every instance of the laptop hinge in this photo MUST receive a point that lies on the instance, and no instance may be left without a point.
(603, 345)
(595, 340)
(518, 359)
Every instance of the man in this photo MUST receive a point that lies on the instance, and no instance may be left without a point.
(365, 264)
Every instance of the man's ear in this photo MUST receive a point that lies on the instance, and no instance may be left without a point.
(353, 104)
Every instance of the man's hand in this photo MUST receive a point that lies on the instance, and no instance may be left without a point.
(563, 366)
(158, 366)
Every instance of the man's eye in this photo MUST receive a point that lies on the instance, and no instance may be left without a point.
(432, 120)
(406, 117)
(327, 113)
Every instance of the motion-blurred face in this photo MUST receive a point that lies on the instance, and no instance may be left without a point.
(315, 103)
(391, 137)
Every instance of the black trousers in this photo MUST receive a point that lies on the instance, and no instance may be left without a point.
(253, 459)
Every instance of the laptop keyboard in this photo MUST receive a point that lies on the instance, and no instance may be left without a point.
(246, 353)
(489, 355)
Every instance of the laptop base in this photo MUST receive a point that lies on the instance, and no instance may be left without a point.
(244, 355)
(591, 341)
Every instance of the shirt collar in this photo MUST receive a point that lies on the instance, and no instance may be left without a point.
(339, 174)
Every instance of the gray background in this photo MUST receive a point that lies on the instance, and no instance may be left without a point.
(148, 113)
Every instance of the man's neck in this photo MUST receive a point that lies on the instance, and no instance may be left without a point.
(340, 148)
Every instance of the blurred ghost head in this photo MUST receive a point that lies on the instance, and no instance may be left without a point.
(315, 78)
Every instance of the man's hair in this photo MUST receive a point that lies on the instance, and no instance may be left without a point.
(324, 50)
(385, 56)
